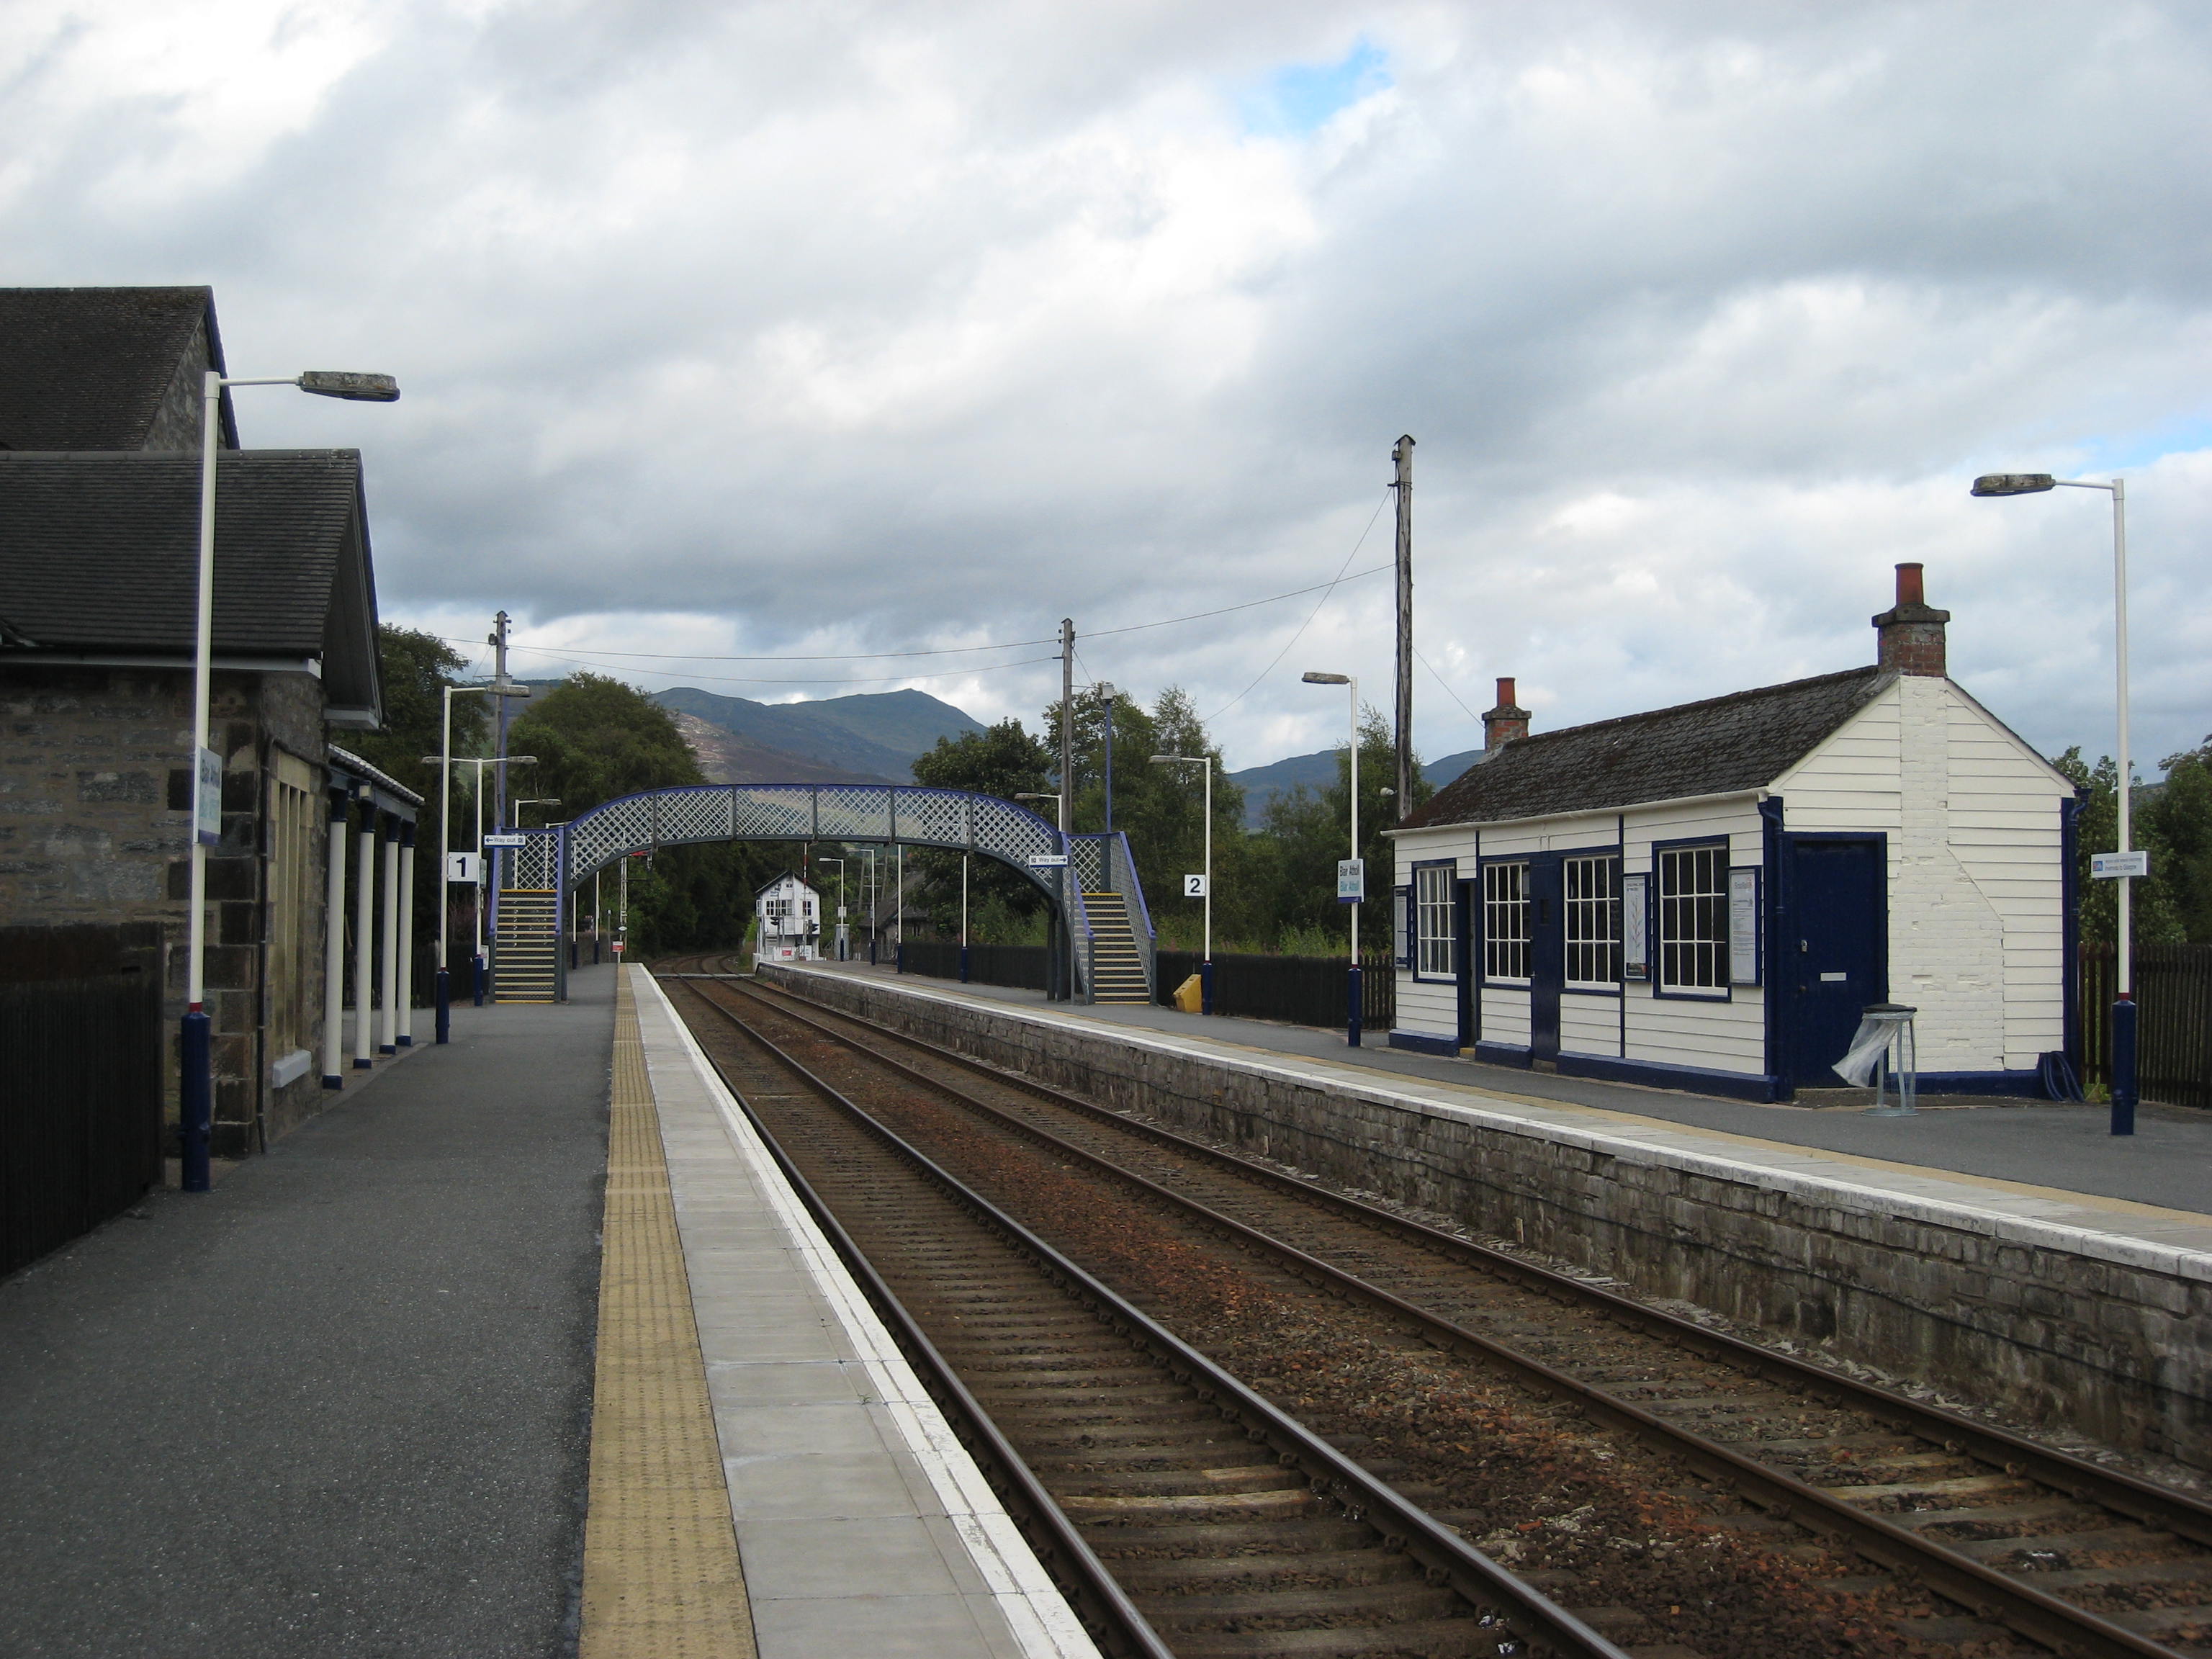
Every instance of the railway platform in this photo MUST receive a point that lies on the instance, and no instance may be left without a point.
(383, 1390)
(2018, 1256)
(2038, 1152)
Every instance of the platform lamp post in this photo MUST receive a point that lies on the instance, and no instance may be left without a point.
(2126, 863)
(1206, 955)
(445, 876)
(194, 1081)
(1353, 876)
(444, 761)
(1063, 806)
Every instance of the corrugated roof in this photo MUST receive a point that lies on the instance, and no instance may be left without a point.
(100, 553)
(86, 367)
(1740, 742)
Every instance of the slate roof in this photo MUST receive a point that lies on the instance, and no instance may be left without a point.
(1742, 741)
(99, 553)
(87, 367)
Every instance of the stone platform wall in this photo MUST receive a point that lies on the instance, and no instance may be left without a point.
(2107, 1335)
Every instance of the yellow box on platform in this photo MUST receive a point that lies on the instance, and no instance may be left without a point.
(1189, 996)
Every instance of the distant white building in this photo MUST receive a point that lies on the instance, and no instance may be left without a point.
(1706, 897)
(790, 915)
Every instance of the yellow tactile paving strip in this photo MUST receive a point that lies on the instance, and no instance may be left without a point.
(661, 1575)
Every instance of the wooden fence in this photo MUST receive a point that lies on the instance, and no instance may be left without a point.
(1022, 966)
(1298, 990)
(80, 1107)
(2173, 1021)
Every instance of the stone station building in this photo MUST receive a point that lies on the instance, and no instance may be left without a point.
(98, 528)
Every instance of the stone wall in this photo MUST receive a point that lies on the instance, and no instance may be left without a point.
(95, 823)
(2108, 1336)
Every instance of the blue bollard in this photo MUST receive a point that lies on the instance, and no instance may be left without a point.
(195, 1103)
(2124, 1067)
(964, 964)
(1205, 988)
(445, 1005)
(477, 978)
(1352, 1014)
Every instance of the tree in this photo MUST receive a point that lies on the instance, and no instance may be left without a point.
(1002, 760)
(2156, 918)
(2177, 817)
(1313, 833)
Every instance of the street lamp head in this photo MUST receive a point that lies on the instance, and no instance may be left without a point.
(354, 388)
(1315, 677)
(2013, 483)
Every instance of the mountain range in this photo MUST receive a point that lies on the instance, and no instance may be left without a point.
(875, 738)
(870, 739)
(1317, 772)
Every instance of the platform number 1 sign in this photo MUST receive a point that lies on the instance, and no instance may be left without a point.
(1193, 886)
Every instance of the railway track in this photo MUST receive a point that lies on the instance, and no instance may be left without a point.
(2033, 1549)
(1231, 1529)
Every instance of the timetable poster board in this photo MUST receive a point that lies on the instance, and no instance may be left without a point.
(1635, 927)
(1743, 926)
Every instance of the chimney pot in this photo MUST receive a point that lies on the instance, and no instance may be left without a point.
(1911, 631)
(1502, 723)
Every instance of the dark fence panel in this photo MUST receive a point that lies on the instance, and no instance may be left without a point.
(1298, 990)
(80, 1107)
(1022, 966)
(2174, 1020)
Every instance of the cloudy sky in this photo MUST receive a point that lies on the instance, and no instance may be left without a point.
(779, 334)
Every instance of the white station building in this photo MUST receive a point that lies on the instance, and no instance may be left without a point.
(790, 920)
(1707, 896)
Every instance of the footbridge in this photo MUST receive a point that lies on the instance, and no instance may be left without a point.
(538, 876)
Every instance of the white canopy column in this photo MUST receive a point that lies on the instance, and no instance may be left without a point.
(334, 942)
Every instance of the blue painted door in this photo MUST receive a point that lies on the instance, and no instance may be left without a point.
(1547, 952)
(1834, 954)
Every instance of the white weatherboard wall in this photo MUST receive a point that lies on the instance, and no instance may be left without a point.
(1971, 816)
(1977, 915)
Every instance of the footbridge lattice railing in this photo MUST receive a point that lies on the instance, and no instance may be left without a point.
(955, 820)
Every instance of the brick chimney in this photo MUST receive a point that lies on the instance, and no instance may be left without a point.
(1911, 632)
(1505, 722)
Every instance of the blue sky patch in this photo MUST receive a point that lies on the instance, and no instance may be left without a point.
(1298, 97)
(2183, 434)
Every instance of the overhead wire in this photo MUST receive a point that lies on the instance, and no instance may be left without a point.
(1327, 588)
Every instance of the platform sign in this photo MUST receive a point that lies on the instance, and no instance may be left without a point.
(1351, 880)
(206, 799)
(1193, 886)
(1047, 860)
(2111, 864)
(465, 869)
(506, 841)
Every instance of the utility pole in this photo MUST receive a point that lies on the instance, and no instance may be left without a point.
(497, 641)
(1403, 455)
(1067, 790)
(1067, 718)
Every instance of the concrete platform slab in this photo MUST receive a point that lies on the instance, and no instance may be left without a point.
(864, 1529)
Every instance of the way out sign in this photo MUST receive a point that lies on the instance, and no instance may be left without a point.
(1351, 880)
(2110, 865)
(1193, 886)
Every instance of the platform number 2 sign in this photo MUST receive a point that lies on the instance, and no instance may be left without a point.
(1193, 886)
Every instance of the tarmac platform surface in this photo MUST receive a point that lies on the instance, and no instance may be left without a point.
(2040, 1147)
(340, 1404)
